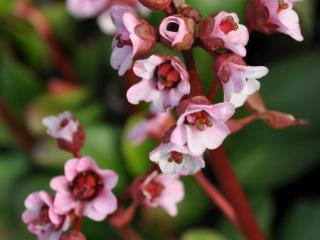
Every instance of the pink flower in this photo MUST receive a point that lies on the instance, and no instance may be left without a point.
(238, 79)
(177, 32)
(41, 217)
(86, 189)
(164, 82)
(174, 159)
(104, 19)
(153, 126)
(135, 37)
(202, 126)
(86, 8)
(270, 16)
(223, 31)
(163, 191)
(67, 130)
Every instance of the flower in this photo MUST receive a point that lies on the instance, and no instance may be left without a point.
(41, 217)
(153, 126)
(270, 16)
(104, 19)
(238, 79)
(135, 37)
(202, 126)
(174, 159)
(165, 81)
(223, 31)
(86, 189)
(86, 8)
(67, 130)
(177, 32)
(161, 190)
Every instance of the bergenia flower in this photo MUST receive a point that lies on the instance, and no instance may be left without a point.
(165, 191)
(270, 16)
(177, 32)
(165, 81)
(41, 217)
(153, 126)
(174, 159)
(238, 80)
(85, 189)
(86, 8)
(135, 37)
(202, 126)
(104, 19)
(67, 130)
(223, 31)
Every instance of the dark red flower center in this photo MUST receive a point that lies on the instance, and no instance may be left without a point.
(64, 122)
(86, 186)
(173, 27)
(228, 24)
(154, 189)
(43, 216)
(176, 157)
(123, 41)
(167, 75)
(200, 120)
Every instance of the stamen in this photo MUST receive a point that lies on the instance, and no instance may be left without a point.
(167, 75)
(200, 120)
(228, 25)
(176, 157)
(86, 186)
(154, 189)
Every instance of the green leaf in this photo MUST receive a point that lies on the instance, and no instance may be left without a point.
(302, 221)
(202, 234)
(102, 143)
(268, 158)
(136, 157)
(18, 85)
(52, 104)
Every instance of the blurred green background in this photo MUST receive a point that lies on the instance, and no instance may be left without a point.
(279, 169)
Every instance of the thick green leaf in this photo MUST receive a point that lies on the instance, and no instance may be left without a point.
(136, 157)
(18, 85)
(301, 222)
(266, 158)
(102, 143)
(202, 234)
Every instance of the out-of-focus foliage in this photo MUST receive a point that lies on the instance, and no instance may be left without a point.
(265, 160)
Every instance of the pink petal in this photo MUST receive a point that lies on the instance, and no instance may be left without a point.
(70, 169)
(59, 184)
(141, 91)
(179, 135)
(63, 203)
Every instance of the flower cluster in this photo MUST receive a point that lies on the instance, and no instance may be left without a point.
(83, 190)
(165, 80)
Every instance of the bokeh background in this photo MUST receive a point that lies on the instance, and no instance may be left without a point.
(279, 169)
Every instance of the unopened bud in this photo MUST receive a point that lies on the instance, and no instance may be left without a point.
(73, 235)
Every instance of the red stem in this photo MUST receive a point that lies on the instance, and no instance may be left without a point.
(128, 233)
(234, 193)
(32, 14)
(77, 225)
(213, 90)
(24, 139)
(217, 197)
(195, 81)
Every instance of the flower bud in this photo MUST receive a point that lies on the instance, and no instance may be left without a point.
(156, 5)
(192, 13)
(177, 32)
(73, 235)
(270, 16)
(67, 130)
(223, 32)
